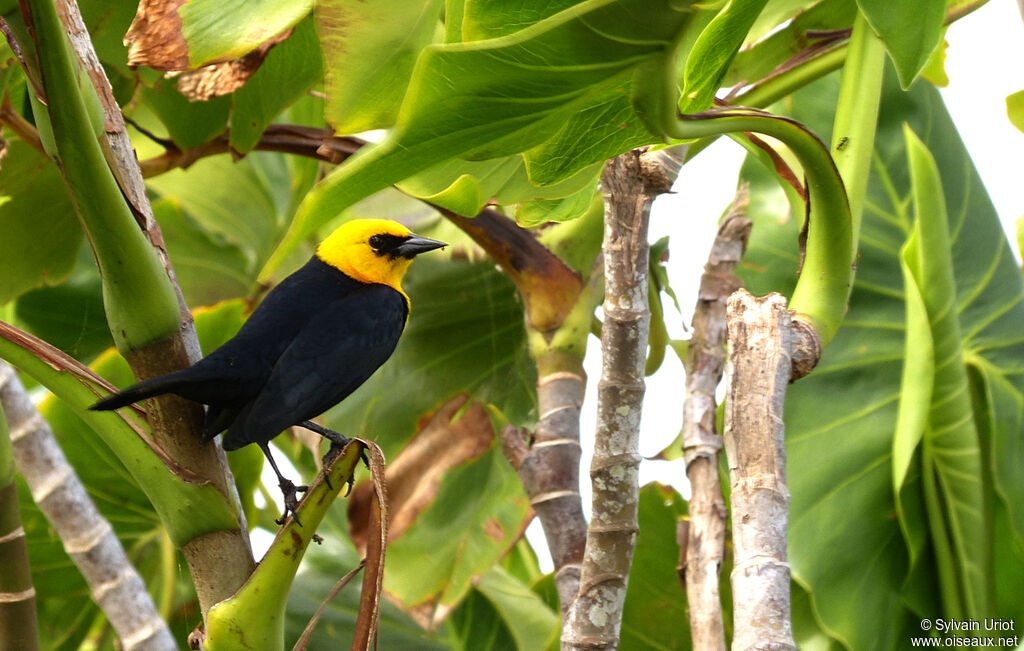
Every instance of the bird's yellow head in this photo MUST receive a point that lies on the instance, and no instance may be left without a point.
(374, 250)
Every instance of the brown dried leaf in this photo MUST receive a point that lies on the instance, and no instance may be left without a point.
(226, 77)
(414, 477)
(368, 619)
(154, 38)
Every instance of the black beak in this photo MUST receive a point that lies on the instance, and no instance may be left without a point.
(415, 245)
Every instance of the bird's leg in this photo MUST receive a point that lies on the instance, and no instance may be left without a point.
(338, 443)
(287, 488)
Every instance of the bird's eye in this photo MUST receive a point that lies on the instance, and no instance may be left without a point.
(376, 241)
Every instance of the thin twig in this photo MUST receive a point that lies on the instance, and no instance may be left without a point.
(705, 543)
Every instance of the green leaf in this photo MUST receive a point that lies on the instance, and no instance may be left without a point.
(69, 316)
(911, 32)
(531, 622)
(289, 71)
(221, 30)
(478, 514)
(757, 61)
(466, 187)
(713, 52)
(957, 512)
(608, 123)
(107, 23)
(1015, 109)
(840, 455)
(575, 206)
(484, 19)
(369, 51)
(39, 234)
(189, 124)
(655, 615)
(323, 566)
(494, 98)
(238, 204)
(208, 270)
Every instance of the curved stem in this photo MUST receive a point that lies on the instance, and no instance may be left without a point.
(826, 276)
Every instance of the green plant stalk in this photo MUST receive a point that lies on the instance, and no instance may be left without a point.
(18, 629)
(139, 299)
(188, 509)
(826, 279)
(254, 617)
(856, 117)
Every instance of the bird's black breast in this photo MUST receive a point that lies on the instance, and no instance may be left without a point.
(322, 337)
(319, 302)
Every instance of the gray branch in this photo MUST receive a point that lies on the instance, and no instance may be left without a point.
(758, 372)
(88, 538)
(705, 541)
(630, 183)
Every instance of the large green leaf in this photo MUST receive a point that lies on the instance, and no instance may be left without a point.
(846, 542)
(494, 98)
(714, 51)
(289, 71)
(69, 316)
(220, 30)
(323, 566)
(39, 234)
(951, 454)
(477, 516)
(911, 31)
(241, 204)
(369, 50)
(654, 615)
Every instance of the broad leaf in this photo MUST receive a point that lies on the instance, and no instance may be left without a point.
(288, 72)
(846, 543)
(242, 204)
(498, 97)
(369, 51)
(714, 51)
(911, 32)
(655, 614)
(39, 234)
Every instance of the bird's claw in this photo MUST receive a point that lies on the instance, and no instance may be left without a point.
(291, 503)
(337, 445)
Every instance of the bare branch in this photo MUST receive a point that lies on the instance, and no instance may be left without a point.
(88, 538)
(630, 184)
(705, 543)
(758, 372)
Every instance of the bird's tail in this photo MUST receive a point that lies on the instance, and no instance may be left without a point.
(156, 386)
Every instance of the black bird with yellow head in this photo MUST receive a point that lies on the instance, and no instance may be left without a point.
(314, 339)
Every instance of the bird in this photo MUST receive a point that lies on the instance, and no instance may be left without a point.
(313, 340)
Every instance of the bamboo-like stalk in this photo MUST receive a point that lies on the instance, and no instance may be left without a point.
(144, 307)
(595, 617)
(18, 627)
(705, 361)
(758, 372)
(88, 538)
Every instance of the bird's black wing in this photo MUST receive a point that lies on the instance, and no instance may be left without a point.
(343, 343)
